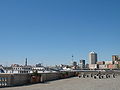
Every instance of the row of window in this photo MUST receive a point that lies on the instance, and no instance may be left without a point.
(21, 68)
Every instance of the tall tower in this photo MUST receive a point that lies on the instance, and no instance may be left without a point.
(26, 62)
(92, 58)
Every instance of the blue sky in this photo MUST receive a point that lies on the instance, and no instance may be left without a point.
(50, 31)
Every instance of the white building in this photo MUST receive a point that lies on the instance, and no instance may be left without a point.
(102, 66)
(22, 69)
(108, 62)
(93, 66)
(18, 69)
(82, 64)
(38, 69)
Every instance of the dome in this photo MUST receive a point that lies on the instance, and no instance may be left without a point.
(92, 52)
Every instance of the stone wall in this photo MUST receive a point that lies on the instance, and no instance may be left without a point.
(55, 76)
(22, 79)
(5, 80)
(14, 79)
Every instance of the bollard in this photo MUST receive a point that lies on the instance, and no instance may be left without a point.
(113, 75)
(87, 75)
(106, 75)
(95, 77)
(83, 75)
(79, 76)
(99, 76)
(91, 75)
(102, 76)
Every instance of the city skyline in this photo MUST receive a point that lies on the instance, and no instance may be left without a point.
(77, 61)
(52, 31)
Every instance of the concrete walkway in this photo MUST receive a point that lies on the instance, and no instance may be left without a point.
(73, 84)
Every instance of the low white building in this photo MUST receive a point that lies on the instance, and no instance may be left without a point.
(22, 69)
(108, 62)
(102, 66)
(67, 69)
(93, 66)
(38, 69)
(18, 69)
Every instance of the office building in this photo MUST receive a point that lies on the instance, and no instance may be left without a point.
(92, 58)
(82, 64)
(115, 57)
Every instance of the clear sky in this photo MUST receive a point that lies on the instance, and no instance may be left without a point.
(50, 31)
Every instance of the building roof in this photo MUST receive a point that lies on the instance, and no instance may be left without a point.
(1, 71)
(7, 68)
(92, 52)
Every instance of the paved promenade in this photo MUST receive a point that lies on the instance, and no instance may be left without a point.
(73, 84)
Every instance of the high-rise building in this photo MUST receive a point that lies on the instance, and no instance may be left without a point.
(115, 57)
(92, 58)
(82, 64)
